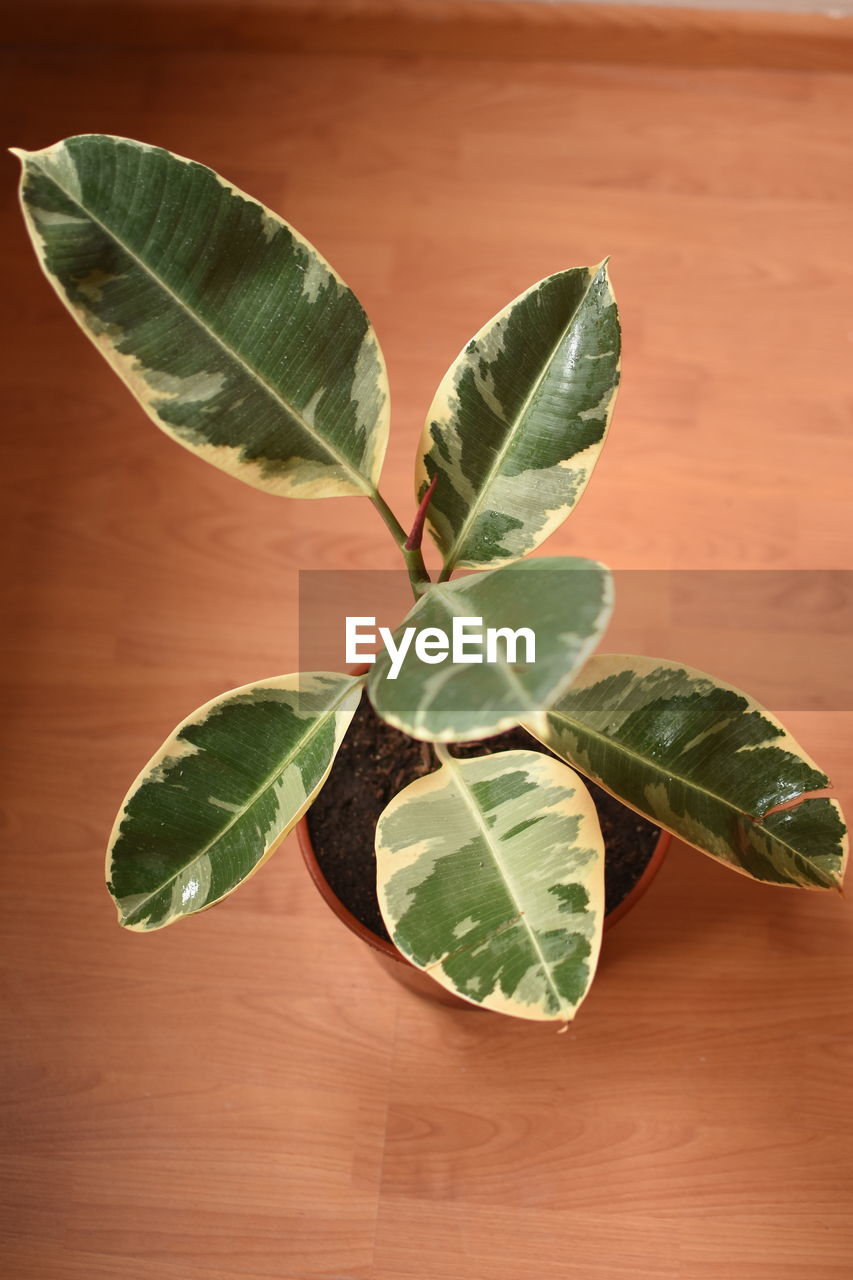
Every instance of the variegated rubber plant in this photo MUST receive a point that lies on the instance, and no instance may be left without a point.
(242, 343)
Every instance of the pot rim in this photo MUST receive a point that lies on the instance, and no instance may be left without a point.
(388, 949)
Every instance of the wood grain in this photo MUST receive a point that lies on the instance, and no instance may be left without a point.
(247, 1095)
(508, 29)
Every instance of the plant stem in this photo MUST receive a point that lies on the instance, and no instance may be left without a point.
(416, 535)
(417, 570)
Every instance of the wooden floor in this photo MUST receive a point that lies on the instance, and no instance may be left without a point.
(247, 1094)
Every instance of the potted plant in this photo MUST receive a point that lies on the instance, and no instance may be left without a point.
(242, 343)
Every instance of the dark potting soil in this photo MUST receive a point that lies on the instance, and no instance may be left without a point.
(375, 762)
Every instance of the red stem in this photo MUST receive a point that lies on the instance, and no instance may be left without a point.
(414, 539)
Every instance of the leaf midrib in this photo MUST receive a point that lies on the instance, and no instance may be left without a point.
(456, 771)
(236, 817)
(511, 435)
(580, 727)
(232, 354)
(445, 592)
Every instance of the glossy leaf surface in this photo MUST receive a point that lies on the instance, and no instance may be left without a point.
(565, 601)
(704, 761)
(236, 337)
(519, 420)
(490, 874)
(222, 793)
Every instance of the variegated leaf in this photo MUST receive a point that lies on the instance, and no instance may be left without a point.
(222, 793)
(565, 601)
(519, 420)
(490, 875)
(704, 761)
(236, 337)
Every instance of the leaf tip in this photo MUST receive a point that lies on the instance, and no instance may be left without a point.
(603, 268)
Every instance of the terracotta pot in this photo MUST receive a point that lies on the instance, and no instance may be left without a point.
(402, 969)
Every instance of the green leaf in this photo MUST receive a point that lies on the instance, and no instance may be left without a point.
(564, 600)
(234, 335)
(490, 874)
(222, 793)
(704, 761)
(519, 420)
